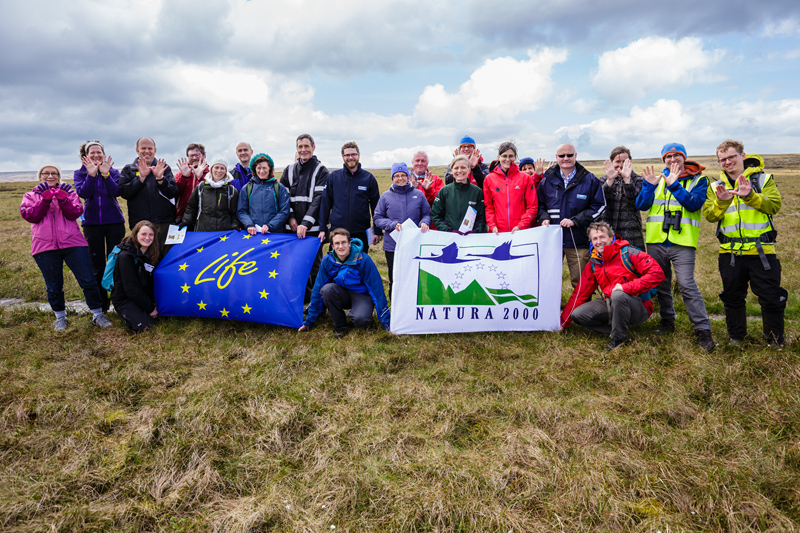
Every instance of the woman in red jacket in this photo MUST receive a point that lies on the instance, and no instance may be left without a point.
(509, 195)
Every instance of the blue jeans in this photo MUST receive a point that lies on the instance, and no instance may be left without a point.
(51, 263)
(681, 259)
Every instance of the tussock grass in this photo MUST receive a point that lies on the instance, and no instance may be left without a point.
(203, 425)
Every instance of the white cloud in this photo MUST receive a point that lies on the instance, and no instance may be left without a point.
(497, 91)
(655, 64)
(786, 27)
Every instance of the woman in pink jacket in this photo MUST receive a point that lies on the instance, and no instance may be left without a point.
(52, 208)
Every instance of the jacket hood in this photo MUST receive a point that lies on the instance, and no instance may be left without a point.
(403, 189)
(753, 164)
(209, 181)
(609, 250)
(690, 168)
(356, 247)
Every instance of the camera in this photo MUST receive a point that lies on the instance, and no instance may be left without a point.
(672, 219)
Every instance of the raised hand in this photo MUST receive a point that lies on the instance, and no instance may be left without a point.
(610, 171)
(649, 175)
(91, 166)
(426, 182)
(105, 166)
(723, 193)
(674, 173)
(66, 187)
(42, 187)
(143, 168)
(201, 168)
(183, 165)
(627, 168)
(475, 158)
(539, 166)
(743, 187)
(159, 169)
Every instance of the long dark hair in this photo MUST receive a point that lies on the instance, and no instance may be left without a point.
(152, 250)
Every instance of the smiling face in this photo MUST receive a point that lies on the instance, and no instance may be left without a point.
(194, 156)
(351, 157)
(527, 168)
(146, 150)
(619, 161)
(244, 152)
(461, 171)
(732, 162)
(96, 154)
(305, 149)
(600, 238)
(400, 178)
(420, 164)
(50, 176)
(673, 158)
(218, 172)
(466, 149)
(341, 247)
(506, 159)
(566, 157)
(263, 170)
(145, 237)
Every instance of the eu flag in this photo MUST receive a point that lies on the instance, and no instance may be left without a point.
(233, 275)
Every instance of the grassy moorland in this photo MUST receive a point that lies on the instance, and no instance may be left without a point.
(221, 426)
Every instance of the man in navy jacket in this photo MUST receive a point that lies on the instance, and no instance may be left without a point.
(350, 197)
(572, 197)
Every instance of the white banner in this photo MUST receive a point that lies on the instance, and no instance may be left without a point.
(445, 282)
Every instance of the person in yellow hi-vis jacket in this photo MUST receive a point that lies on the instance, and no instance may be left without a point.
(743, 202)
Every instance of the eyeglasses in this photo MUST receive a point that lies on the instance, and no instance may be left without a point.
(562, 156)
(729, 158)
(349, 156)
(50, 174)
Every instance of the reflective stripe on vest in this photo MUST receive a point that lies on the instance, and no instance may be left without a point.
(742, 221)
(689, 232)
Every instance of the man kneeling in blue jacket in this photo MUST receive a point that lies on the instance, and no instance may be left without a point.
(347, 279)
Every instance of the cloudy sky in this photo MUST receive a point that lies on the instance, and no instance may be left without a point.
(396, 76)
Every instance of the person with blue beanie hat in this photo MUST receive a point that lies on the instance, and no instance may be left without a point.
(674, 202)
(479, 169)
(401, 202)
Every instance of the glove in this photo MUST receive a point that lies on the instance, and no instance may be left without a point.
(66, 187)
(48, 194)
(39, 189)
(183, 223)
(60, 193)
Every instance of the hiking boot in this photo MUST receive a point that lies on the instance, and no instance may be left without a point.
(703, 338)
(101, 321)
(613, 344)
(61, 324)
(666, 327)
(339, 333)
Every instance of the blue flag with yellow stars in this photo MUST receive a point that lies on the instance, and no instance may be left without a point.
(233, 275)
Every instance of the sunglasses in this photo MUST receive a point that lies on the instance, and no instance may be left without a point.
(562, 156)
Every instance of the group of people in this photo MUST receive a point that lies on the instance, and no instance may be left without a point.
(600, 220)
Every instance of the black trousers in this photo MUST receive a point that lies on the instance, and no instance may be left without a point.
(337, 299)
(766, 284)
(134, 316)
(102, 238)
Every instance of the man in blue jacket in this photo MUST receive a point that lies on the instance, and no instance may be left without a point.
(572, 197)
(350, 196)
(347, 279)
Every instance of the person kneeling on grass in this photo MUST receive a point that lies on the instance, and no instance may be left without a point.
(347, 279)
(133, 293)
(625, 276)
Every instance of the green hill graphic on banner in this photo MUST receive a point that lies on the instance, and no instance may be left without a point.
(433, 292)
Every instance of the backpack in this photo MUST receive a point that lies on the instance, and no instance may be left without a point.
(108, 273)
(624, 254)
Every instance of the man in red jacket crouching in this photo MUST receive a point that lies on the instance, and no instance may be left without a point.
(625, 275)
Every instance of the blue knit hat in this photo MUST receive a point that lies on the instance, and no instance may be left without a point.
(399, 167)
(255, 158)
(525, 161)
(673, 148)
(466, 139)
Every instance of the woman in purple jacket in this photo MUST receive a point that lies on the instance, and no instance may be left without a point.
(103, 224)
(399, 203)
(52, 208)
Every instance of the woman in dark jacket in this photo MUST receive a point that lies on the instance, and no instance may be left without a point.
(213, 204)
(133, 293)
(450, 207)
(103, 224)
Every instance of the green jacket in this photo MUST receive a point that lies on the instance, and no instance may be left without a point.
(450, 206)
